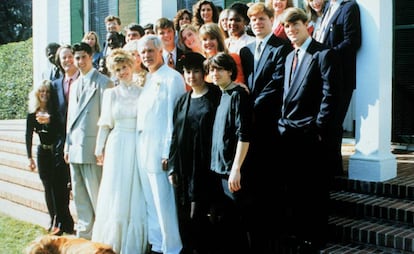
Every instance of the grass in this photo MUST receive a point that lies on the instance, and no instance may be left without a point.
(15, 235)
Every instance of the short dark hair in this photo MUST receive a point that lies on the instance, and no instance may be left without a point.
(82, 46)
(225, 61)
(192, 60)
(52, 48)
(136, 27)
(148, 26)
(241, 9)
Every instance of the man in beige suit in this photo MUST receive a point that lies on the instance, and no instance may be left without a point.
(84, 109)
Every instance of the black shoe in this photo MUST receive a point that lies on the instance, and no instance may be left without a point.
(307, 247)
(70, 231)
(155, 252)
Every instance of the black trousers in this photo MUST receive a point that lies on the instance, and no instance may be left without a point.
(55, 178)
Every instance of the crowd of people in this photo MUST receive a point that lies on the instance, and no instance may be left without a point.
(218, 131)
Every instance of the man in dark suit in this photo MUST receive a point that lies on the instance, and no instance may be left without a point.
(54, 72)
(59, 95)
(263, 67)
(341, 30)
(61, 86)
(164, 29)
(310, 105)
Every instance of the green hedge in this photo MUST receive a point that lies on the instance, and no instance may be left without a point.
(16, 78)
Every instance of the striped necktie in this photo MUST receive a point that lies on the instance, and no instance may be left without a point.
(171, 60)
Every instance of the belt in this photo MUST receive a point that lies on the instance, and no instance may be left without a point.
(46, 147)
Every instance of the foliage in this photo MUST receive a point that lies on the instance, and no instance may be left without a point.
(16, 78)
(16, 20)
(15, 235)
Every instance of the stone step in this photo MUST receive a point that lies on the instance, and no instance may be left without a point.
(24, 213)
(13, 160)
(355, 248)
(28, 197)
(400, 187)
(13, 147)
(382, 233)
(364, 205)
(24, 178)
(23, 195)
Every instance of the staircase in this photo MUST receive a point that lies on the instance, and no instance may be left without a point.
(366, 217)
(21, 191)
(374, 217)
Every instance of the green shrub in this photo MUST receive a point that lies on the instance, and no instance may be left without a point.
(16, 78)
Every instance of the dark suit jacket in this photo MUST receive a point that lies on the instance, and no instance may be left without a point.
(59, 99)
(310, 99)
(266, 90)
(266, 82)
(178, 64)
(344, 35)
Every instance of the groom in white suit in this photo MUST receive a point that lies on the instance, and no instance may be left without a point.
(156, 103)
(84, 109)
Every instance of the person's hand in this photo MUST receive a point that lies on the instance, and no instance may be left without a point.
(66, 158)
(164, 164)
(42, 117)
(234, 180)
(32, 164)
(99, 160)
(173, 179)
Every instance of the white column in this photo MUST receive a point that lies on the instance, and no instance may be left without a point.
(150, 11)
(373, 160)
(45, 30)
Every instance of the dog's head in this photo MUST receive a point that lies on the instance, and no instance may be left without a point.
(49, 244)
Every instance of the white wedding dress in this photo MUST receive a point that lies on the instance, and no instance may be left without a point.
(121, 210)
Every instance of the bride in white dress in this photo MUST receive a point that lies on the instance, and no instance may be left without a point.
(121, 210)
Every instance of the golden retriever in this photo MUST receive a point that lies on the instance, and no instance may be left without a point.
(50, 244)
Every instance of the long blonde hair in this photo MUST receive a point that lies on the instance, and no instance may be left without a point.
(184, 27)
(34, 102)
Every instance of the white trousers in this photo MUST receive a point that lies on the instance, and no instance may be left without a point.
(163, 230)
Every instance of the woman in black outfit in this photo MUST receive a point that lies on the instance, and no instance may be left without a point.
(189, 160)
(44, 121)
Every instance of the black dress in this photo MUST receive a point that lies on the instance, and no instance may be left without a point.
(189, 160)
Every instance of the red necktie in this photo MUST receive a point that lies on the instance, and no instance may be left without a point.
(294, 64)
(295, 61)
(69, 82)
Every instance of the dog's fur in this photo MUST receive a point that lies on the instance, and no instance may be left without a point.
(50, 244)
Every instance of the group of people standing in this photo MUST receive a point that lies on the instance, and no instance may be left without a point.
(197, 141)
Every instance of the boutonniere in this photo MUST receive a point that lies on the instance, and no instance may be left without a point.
(157, 86)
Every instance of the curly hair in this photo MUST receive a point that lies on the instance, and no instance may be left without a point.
(197, 20)
(179, 16)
